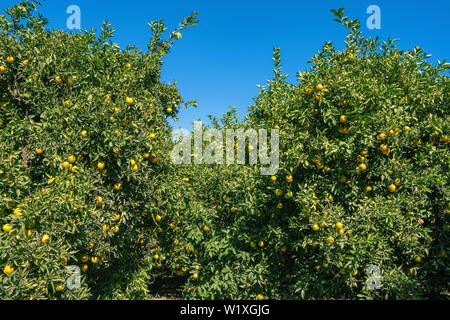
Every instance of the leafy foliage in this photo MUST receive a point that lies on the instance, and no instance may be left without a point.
(86, 177)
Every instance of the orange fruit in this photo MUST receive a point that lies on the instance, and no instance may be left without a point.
(7, 227)
(8, 269)
(45, 238)
(71, 159)
(129, 100)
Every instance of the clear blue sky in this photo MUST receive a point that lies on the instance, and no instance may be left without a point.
(220, 62)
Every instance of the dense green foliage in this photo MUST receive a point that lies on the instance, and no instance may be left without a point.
(363, 177)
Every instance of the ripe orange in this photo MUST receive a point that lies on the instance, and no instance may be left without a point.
(3, 69)
(38, 150)
(315, 227)
(129, 100)
(71, 159)
(259, 297)
(58, 79)
(289, 178)
(118, 186)
(7, 227)
(382, 136)
(319, 87)
(206, 228)
(343, 119)
(261, 244)
(100, 165)
(308, 91)
(10, 59)
(339, 225)
(273, 178)
(392, 188)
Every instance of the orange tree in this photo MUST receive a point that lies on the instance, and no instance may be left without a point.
(363, 184)
(83, 157)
